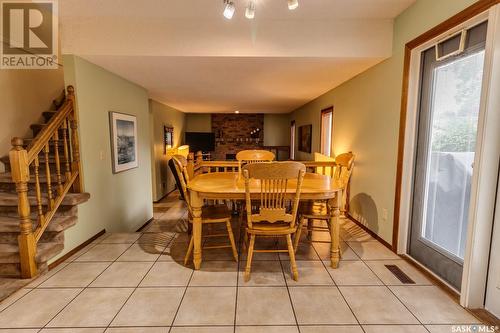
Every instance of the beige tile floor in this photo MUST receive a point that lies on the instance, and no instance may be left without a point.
(135, 282)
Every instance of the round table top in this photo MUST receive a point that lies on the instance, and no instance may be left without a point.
(233, 183)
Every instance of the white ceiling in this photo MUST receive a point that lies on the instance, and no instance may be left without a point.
(188, 56)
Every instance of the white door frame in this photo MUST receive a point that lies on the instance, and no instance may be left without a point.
(485, 163)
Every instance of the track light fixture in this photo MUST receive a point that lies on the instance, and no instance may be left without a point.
(250, 11)
(228, 9)
(293, 4)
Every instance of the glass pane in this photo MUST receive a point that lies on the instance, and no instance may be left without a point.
(326, 133)
(455, 109)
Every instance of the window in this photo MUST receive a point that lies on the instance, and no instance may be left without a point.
(326, 131)
(292, 140)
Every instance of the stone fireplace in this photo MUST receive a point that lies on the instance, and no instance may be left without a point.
(236, 132)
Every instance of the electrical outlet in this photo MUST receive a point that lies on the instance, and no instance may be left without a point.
(384, 214)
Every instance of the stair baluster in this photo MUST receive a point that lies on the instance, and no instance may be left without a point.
(50, 197)
(65, 128)
(38, 192)
(58, 162)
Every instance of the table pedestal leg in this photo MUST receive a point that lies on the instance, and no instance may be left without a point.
(196, 204)
(334, 208)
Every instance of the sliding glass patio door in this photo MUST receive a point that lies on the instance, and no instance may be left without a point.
(450, 93)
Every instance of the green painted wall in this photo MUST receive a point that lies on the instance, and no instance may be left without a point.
(163, 115)
(366, 118)
(119, 202)
(198, 122)
(276, 129)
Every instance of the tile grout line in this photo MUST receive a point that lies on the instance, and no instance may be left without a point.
(138, 284)
(78, 294)
(288, 291)
(340, 292)
(183, 294)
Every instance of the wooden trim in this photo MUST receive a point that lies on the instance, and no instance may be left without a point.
(145, 224)
(292, 144)
(325, 111)
(76, 249)
(467, 14)
(486, 317)
(371, 233)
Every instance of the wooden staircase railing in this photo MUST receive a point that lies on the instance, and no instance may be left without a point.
(54, 152)
(197, 165)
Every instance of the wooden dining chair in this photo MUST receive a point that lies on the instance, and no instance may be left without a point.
(253, 156)
(318, 210)
(209, 214)
(272, 218)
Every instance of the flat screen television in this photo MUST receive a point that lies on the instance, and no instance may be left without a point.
(200, 141)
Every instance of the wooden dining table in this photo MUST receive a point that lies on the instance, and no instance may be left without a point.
(231, 186)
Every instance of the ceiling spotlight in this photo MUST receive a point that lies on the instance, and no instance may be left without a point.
(250, 12)
(293, 4)
(229, 9)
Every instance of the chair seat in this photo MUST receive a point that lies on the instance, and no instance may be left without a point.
(271, 228)
(315, 210)
(215, 213)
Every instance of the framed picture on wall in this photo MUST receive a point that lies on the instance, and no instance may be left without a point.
(123, 128)
(305, 138)
(168, 137)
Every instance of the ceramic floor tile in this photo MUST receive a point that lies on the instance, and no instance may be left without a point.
(331, 329)
(167, 274)
(264, 306)
(122, 274)
(216, 273)
(207, 306)
(120, 238)
(142, 252)
(208, 329)
(310, 273)
(46, 275)
(72, 330)
(13, 298)
(459, 328)
(138, 329)
(320, 305)
(263, 273)
(304, 252)
(353, 232)
(266, 329)
(346, 253)
(372, 250)
(394, 329)
(353, 273)
(16, 330)
(159, 239)
(366, 303)
(378, 267)
(150, 307)
(29, 312)
(94, 307)
(431, 305)
(103, 252)
(75, 275)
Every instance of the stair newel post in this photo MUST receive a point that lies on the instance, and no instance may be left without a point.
(75, 143)
(19, 164)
